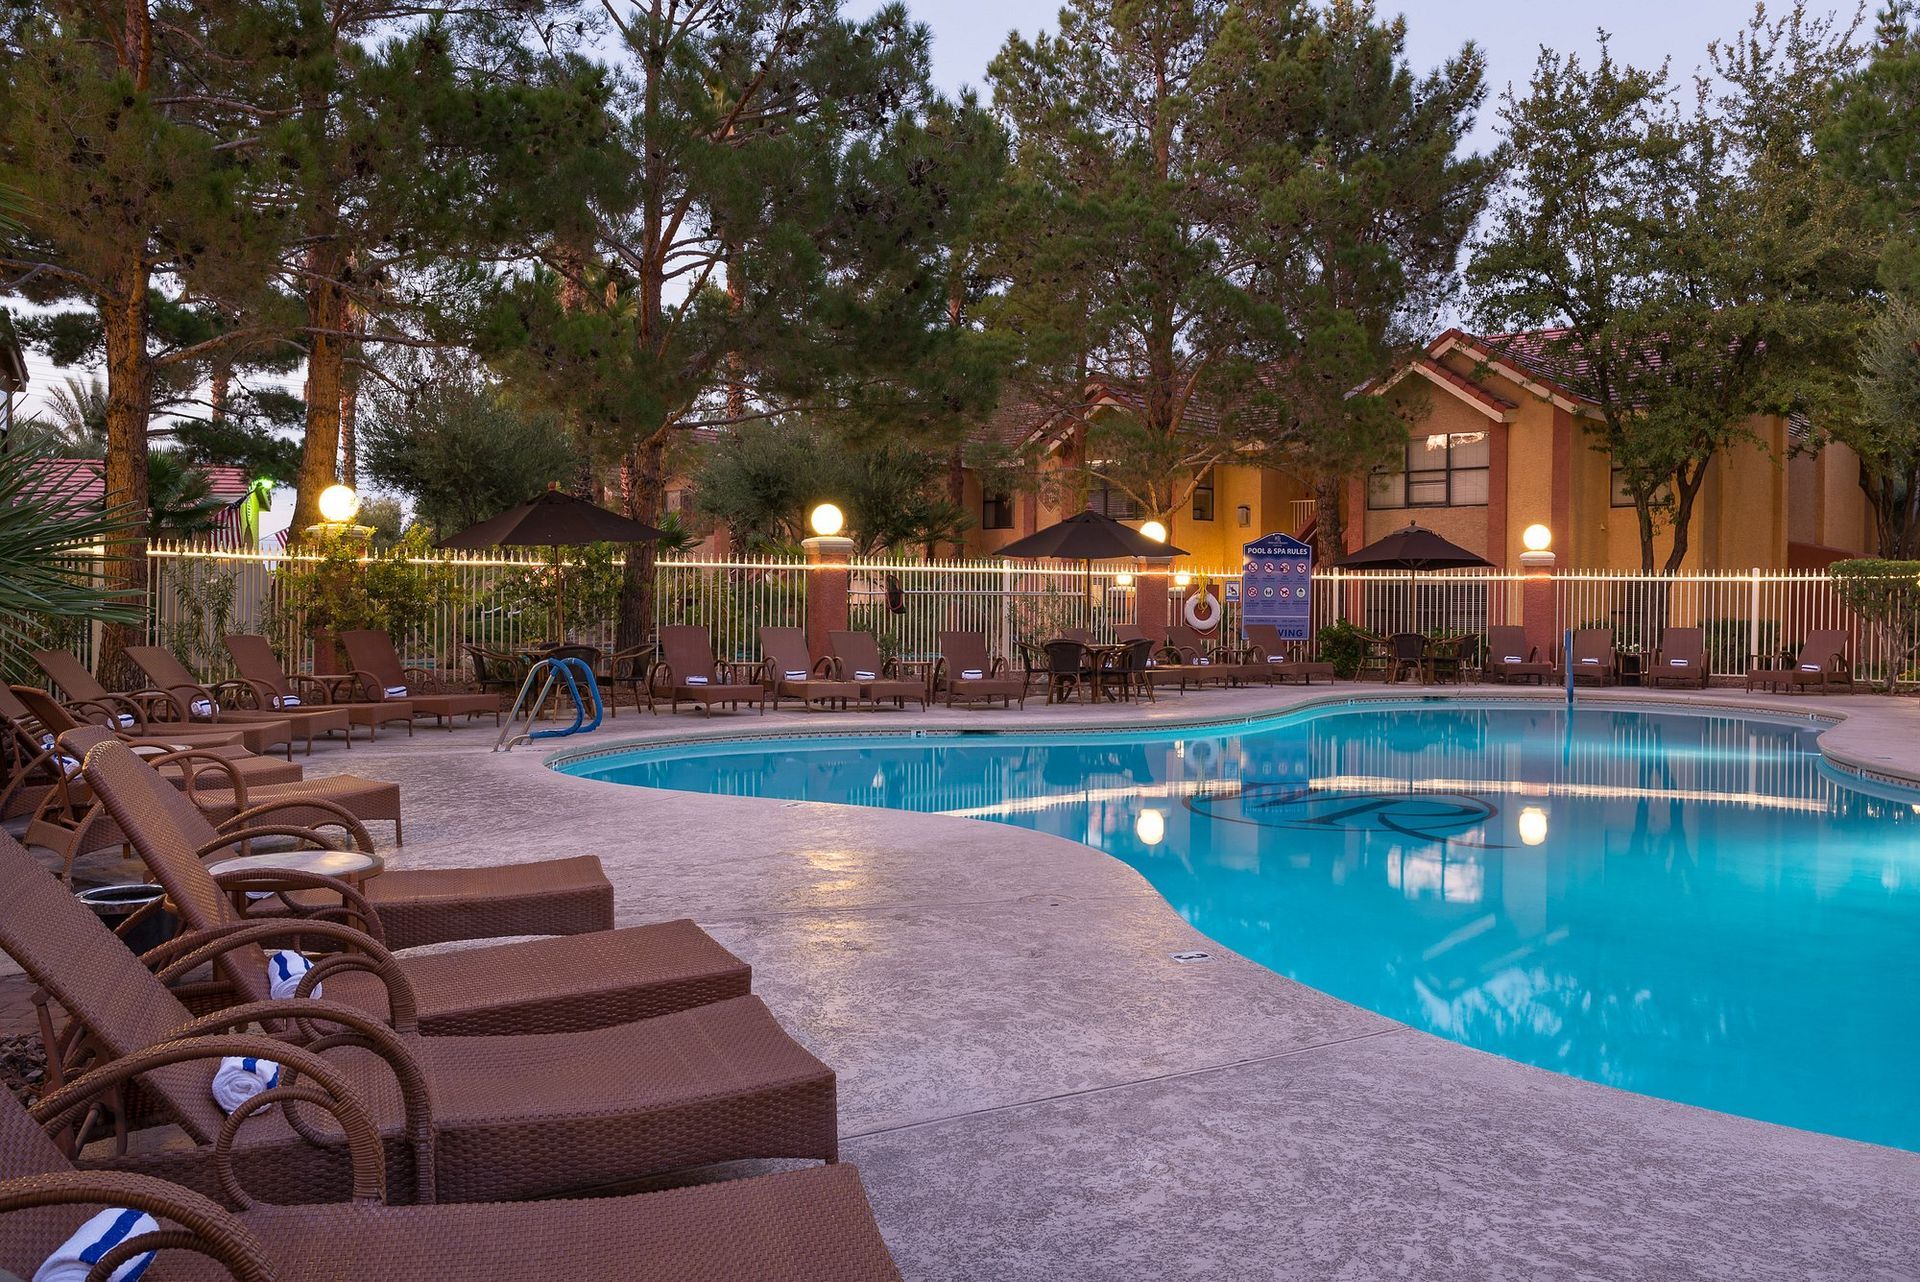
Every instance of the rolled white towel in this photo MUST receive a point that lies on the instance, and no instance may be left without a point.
(68, 766)
(696, 681)
(1589, 659)
(286, 700)
(201, 707)
(971, 674)
(396, 692)
(238, 1080)
(864, 676)
(796, 676)
(285, 970)
(1809, 667)
(126, 720)
(73, 1259)
(1514, 658)
(1677, 663)
(1203, 660)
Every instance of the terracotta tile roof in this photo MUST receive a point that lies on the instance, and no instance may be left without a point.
(80, 484)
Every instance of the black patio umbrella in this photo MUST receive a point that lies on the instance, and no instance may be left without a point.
(1087, 537)
(1412, 548)
(553, 520)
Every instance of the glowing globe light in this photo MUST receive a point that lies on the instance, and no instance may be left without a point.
(827, 520)
(1155, 531)
(339, 504)
(1533, 825)
(1536, 538)
(1182, 579)
(1123, 580)
(1150, 827)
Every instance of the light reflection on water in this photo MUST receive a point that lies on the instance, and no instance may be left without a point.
(1682, 905)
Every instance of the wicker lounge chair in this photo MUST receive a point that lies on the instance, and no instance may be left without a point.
(1511, 659)
(194, 701)
(1201, 660)
(964, 653)
(808, 1225)
(856, 657)
(587, 980)
(790, 673)
(151, 712)
(56, 719)
(1591, 658)
(1681, 659)
(272, 687)
(380, 676)
(688, 671)
(1821, 665)
(463, 1119)
(1280, 656)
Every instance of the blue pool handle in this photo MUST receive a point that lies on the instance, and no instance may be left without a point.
(564, 669)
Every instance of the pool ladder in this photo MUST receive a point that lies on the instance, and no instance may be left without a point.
(555, 672)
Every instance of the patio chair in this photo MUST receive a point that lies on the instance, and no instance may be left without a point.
(856, 657)
(496, 672)
(1680, 659)
(53, 718)
(596, 976)
(633, 668)
(1205, 660)
(1281, 656)
(273, 688)
(969, 674)
(1447, 658)
(1376, 655)
(789, 672)
(1409, 654)
(1821, 665)
(1069, 669)
(807, 1225)
(461, 1119)
(380, 676)
(194, 701)
(151, 712)
(1136, 668)
(1511, 659)
(687, 670)
(1592, 656)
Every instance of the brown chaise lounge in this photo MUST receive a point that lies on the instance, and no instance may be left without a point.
(551, 983)
(1822, 665)
(150, 712)
(1592, 656)
(462, 1119)
(1680, 659)
(195, 701)
(808, 1225)
(688, 671)
(967, 672)
(1191, 656)
(381, 677)
(56, 718)
(1511, 659)
(856, 657)
(260, 671)
(1278, 655)
(790, 673)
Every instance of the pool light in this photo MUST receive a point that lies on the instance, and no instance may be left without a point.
(1155, 531)
(1150, 827)
(1533, 825)
(827, 520)
(339, 504)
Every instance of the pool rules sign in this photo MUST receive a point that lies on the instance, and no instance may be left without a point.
(1276, 585)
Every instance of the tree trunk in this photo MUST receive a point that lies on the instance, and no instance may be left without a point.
(1685, 491)
(956, 495)
(124, 320)
(219, 389)
(1329, 530)
(350, 402)
(320, 453)
(644, 476)
(1643, 518)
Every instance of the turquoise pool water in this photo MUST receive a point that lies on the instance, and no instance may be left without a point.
(1688, 906)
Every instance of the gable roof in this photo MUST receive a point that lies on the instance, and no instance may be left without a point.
(80, 484)
(1456, 384)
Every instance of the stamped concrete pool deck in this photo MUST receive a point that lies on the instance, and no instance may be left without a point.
(1034, 1089)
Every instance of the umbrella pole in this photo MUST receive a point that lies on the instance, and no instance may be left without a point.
(559, 599)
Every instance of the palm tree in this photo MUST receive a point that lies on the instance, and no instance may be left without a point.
(179, 505)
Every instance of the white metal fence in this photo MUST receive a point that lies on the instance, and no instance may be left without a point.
(199, 595)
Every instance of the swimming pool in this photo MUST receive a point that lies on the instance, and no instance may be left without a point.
(1691, 906)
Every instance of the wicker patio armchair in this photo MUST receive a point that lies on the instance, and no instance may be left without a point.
(461, 1119)
(808, 1225)
(559, 981)
(379, 676)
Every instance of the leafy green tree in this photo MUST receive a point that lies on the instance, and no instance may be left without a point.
(767, 228)
(1702, 266)
(1873, 140)
(441, 432)
(1885, 430)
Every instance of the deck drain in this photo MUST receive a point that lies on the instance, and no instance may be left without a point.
(1191, 956)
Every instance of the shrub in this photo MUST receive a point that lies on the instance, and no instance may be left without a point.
(1886, 596)
(1344, 646)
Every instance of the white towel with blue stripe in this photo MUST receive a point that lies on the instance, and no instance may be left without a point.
(796, 676)
(396, 692)
(971, 674)
(239, 1079)
(126, 720)
(73, 1259)
(201, 707)
(285, 970)
(696, 681)
(865, 676)
(286, 700)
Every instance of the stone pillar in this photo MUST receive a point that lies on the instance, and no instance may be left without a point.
(1150, 588)
(1536, 603)
(827, 581)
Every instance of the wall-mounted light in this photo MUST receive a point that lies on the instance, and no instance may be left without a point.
(1155, 531)
(1182, 579)
(1123, 580)
(827, 520)
(1244, 515)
